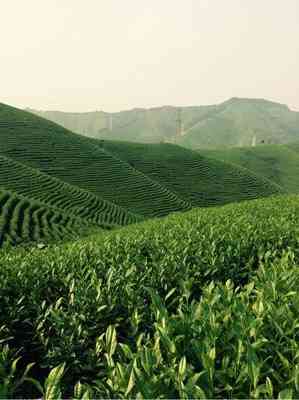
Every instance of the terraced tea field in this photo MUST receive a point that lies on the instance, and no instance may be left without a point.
(201, 181)
(67, 198)
(25, 221)
(201, 304)
(71, 158)
(277, 163)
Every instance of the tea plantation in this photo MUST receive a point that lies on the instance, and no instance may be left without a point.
(202, 304)
(278, 163)
(107, 184)
(202, 181)
(62, 196)
(71, 158)
(25, 221)
(144, 180)
(126, 283)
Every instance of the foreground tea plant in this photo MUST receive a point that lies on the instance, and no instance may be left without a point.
(198, 305)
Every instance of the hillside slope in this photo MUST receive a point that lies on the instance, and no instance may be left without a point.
(242, 122)
(201, 181)
(71, 158)
(278, 163)
(23, 220)
(39, 186)
(149, 180)
(236, 122)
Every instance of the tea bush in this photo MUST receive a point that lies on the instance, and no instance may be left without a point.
(196, 305)
(24, 221)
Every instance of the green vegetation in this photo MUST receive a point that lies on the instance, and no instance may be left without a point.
(198, 304)
(106, 184)
(241, 122)
(201, 181)
(236, 122)
(71, 158)
(62, 196)
(139, 312)
(277, 163)
(24, 221)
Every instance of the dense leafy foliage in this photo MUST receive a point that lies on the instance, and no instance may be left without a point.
(23, 221)
(201, 304)
(63, 197)
(198, 304)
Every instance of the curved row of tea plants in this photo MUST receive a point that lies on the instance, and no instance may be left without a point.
(200, 180)
(278, 163)
(23, 220)
(196, 305)
(30, 182)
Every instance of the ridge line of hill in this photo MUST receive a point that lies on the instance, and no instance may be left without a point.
(277, 163)
(182, 205)
(234, 122)
(248, 171)
(201, 180)
(214, 112)
(155, 182)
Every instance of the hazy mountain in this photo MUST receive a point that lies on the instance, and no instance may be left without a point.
(236, 122)
(244, 122)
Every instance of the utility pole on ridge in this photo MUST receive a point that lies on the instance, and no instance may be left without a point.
(179, 124)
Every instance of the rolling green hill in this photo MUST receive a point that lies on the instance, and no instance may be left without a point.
(242, 122)
(146, 180)
(236, 122)
(277, 163)
(202, 182)
(71, 158)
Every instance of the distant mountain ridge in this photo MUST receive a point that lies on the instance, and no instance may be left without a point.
(236, 122)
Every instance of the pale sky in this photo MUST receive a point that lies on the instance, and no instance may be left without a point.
(81, 55)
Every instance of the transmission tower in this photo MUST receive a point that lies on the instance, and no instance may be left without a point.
(179, 124)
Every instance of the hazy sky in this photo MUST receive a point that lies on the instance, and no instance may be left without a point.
(79, 55)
